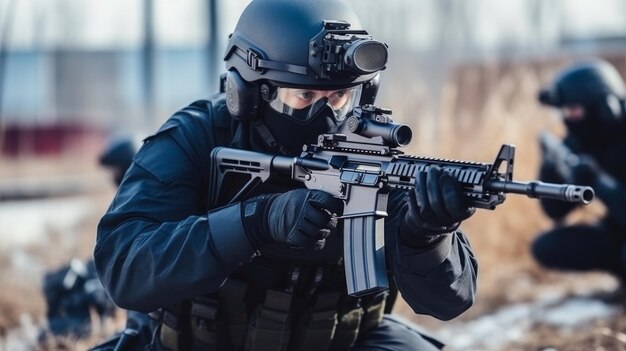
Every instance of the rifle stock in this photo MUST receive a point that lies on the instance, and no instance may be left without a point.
(362, 171)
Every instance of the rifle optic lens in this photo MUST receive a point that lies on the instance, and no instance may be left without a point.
(403, 135)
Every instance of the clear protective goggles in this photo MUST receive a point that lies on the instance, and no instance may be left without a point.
(303, 105)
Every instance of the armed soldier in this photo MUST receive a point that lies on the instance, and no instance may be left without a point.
(590, 96)
(266, 272)
(72, 292)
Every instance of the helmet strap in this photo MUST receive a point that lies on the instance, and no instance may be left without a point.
(267, 137)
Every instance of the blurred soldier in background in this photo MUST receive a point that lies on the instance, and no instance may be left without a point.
(266, 272)
(590, 96)
(72, 292)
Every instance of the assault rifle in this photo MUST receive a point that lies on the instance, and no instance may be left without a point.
(361, 166)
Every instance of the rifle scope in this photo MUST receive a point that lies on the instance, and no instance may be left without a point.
(370, 121)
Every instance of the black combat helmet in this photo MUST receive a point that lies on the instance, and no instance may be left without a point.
(317, 44)
(298, 68)
(596, 86)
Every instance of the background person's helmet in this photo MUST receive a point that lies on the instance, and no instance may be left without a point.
(118, 156)
(315, 44)
(595, 85)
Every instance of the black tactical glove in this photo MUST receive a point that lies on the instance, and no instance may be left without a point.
(302, 218)
(436, 206)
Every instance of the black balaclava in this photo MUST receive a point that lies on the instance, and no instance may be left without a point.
(597, 128)
(292, 134)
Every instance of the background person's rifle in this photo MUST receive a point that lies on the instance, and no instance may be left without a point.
(361, 167)
(558, 154)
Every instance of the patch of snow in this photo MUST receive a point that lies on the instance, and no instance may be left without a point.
(577, 311)
(23, 338)
(511, 323)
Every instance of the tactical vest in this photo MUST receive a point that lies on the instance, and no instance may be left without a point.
(271, 303)
(240, 316)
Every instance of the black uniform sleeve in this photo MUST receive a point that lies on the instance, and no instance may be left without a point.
(439, 281)
(156, 245)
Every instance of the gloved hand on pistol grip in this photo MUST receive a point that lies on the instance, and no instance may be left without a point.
(436, 206)
(302, 218)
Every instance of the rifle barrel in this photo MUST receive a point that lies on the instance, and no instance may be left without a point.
(537, 189)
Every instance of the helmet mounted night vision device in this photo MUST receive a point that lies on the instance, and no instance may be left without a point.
(336, 50)
(334, 53)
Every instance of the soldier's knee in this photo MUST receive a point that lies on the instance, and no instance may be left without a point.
(542, 250)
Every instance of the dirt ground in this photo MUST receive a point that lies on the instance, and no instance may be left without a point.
(481, 107)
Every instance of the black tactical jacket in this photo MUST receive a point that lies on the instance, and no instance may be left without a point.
(160, 244)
